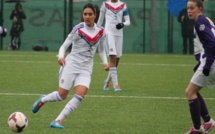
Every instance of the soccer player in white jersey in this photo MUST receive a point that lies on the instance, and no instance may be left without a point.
(204, 75)
(114, 11)
(3, 31)
(76, 68)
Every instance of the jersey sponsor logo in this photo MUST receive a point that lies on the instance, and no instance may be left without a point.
(88, 39)
(113, 9)
(202, 27)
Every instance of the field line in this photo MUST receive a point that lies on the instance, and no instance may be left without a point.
(135, 64)
(110, 96)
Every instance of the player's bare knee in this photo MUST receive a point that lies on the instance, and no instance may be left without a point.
(63, 93)
(63, 96)
(188, 92)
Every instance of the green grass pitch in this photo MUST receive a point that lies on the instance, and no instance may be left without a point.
(152, 101)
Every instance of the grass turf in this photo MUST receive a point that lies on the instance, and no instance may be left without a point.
(152, 100)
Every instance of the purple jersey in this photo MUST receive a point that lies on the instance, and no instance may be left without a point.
(206, 33)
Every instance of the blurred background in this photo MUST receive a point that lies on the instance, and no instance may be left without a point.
(153, 28)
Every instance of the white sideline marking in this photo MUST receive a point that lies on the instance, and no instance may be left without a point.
(136, 55)
(135, 64)
(27, 61)
(109, 96)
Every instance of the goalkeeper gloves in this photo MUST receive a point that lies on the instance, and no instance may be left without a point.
(119, 25)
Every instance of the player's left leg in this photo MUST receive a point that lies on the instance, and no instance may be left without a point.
(81, 85)
(119, 47)
(111, 50)
(209, 122)
(80, 92)
(194, 104)
(113, 73)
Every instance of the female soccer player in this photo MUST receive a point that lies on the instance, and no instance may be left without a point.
(76, 69)
(204, 75)
(114, 11)
(198, 47)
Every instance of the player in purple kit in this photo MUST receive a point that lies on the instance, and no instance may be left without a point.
(114, 11)
(76, 68)
(204, 75)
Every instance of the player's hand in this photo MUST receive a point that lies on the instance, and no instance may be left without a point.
(106, 67)
(196, 67)
(119, 25)
(206, 71)
(62, 61)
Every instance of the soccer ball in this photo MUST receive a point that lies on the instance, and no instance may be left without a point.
(17, 122)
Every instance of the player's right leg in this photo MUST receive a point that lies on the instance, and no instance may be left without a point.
(81, 85)
(209, 122)
(196, 131)
(68, 109)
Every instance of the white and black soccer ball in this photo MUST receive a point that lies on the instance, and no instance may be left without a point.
(17, 122)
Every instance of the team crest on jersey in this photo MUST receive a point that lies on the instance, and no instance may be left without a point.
(202, 27)
(62, 81)
(113, 9)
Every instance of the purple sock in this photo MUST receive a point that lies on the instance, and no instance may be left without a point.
(195, 112)
(204, 110)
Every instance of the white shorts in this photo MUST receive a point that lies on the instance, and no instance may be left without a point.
(114, 45)
(201, 80)
(67, 80)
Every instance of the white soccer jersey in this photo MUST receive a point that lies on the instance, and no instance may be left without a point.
(114, 13)
(84, 41)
